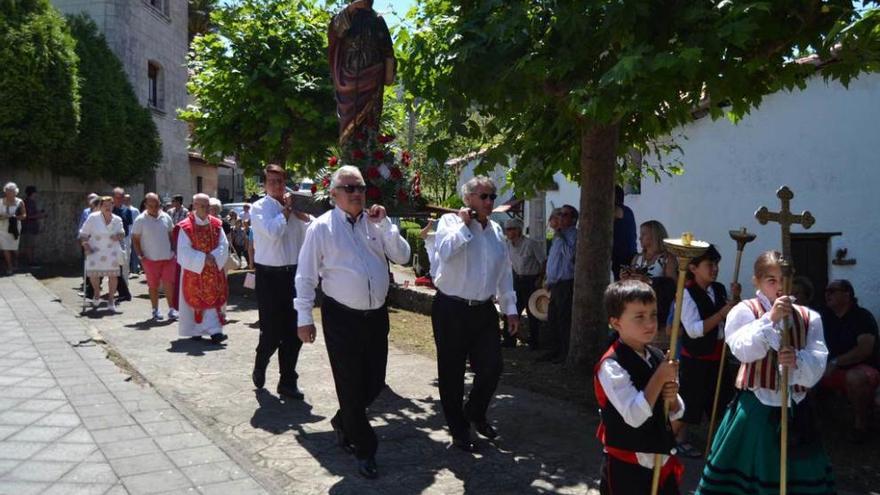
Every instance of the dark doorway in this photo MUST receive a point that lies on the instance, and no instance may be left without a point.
(810, 254)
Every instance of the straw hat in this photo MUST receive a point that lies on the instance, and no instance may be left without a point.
(539, 303)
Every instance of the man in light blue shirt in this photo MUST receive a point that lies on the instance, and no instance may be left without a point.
(560, 282)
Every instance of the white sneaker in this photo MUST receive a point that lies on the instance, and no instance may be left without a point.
(156, 314)
(112, 307)
(172, 314)
(96, 302)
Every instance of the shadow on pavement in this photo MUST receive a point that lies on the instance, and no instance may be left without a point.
(280, 416)
(415, 456)
(151, 323)
(194, 347)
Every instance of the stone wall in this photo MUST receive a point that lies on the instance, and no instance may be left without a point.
(62, 198)
(139, 34)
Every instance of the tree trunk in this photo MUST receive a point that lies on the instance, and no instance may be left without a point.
(589, 326)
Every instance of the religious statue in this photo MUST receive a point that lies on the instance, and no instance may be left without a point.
(361, 63)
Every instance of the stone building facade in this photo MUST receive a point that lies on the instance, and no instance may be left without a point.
(150, 38)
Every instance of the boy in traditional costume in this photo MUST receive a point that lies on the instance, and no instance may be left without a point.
(703, 310)
(632, 381)
(745, 455)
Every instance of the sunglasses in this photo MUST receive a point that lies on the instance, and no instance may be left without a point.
(486, 196)
(352, 188)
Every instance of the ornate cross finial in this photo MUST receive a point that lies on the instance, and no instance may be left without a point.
(785, 218)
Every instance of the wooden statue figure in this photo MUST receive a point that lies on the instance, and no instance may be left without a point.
(361, 62)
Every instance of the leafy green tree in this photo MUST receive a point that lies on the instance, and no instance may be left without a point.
(39, 88)
(261, 85)
(199, 16)
(117, 139)
(576, 85)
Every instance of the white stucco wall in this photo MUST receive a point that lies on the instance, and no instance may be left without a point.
(821, 142)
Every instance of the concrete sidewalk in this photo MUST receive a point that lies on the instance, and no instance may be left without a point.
(73, 422)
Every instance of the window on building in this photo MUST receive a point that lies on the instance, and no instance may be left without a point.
(160, 5)
(155, 86)
(198, 184)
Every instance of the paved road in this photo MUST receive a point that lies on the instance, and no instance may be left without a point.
(547, 445)
(72, 422)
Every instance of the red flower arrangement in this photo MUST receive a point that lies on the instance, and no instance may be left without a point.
(358, 154)
(373, 193)
(378, 155)
(373, 173)
(332, 161)
(396, 174)
(406, 158)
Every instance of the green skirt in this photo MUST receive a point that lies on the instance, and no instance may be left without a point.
(745, 456)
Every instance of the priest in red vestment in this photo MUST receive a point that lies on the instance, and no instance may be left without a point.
(202, 249)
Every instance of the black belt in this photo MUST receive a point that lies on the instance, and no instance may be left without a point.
(268, 268)
(468, 302)
(360, 312)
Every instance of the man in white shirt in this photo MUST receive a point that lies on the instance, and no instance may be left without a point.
(528, 257)
(348, 249)
(151, 240)
(246, 212)
(473, 269)
(279, 231)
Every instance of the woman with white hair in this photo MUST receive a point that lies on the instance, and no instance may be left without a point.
(12, 212)
(100, 236)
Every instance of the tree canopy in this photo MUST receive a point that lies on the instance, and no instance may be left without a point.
(39, 85)
(576, 85)
(117, 139)
(261, 86)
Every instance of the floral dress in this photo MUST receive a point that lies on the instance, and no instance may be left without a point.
(107, 255)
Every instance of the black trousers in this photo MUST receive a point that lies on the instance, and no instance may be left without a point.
(357, 344)
(559, 315)
(524, 285)
(463, 333)
(275, 293)
(622, 478)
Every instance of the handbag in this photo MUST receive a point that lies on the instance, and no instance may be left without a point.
(13, 223)
(250, 281)
(233, 262)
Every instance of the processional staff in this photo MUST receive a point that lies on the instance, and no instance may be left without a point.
(684, 249)
(785, 218)
(742, 237)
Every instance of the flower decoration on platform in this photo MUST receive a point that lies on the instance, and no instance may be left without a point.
(386, 170)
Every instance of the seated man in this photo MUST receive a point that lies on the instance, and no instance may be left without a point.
(851, 336)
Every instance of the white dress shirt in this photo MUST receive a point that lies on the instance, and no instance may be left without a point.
(749, 340)
(277, 240)
(351, 260)
(474, 262)
(631, 402)
(690, 315)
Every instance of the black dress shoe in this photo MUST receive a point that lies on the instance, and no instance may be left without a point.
(367, 468)
(290, 392)
(485, 429)
(340, 437)
(197, 338)
(259, 377)
(218, 338)
(464, 443)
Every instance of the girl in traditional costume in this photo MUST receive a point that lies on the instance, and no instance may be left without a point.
(745, 455)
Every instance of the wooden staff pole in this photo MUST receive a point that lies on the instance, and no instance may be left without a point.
(684, 250)
(742, 237)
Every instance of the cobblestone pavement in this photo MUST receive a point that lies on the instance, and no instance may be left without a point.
(71, 422)
(547, 445)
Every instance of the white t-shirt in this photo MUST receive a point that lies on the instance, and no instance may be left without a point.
(155, 242)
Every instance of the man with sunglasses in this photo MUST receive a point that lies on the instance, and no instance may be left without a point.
(347, 249)
(473, 271)
(279, 231)
(851, 336)
(560, 281)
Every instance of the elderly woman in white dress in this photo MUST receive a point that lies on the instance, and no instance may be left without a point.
(12, 212)
(101, 237)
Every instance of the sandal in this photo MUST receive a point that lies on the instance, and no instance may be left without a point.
(685, 449)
